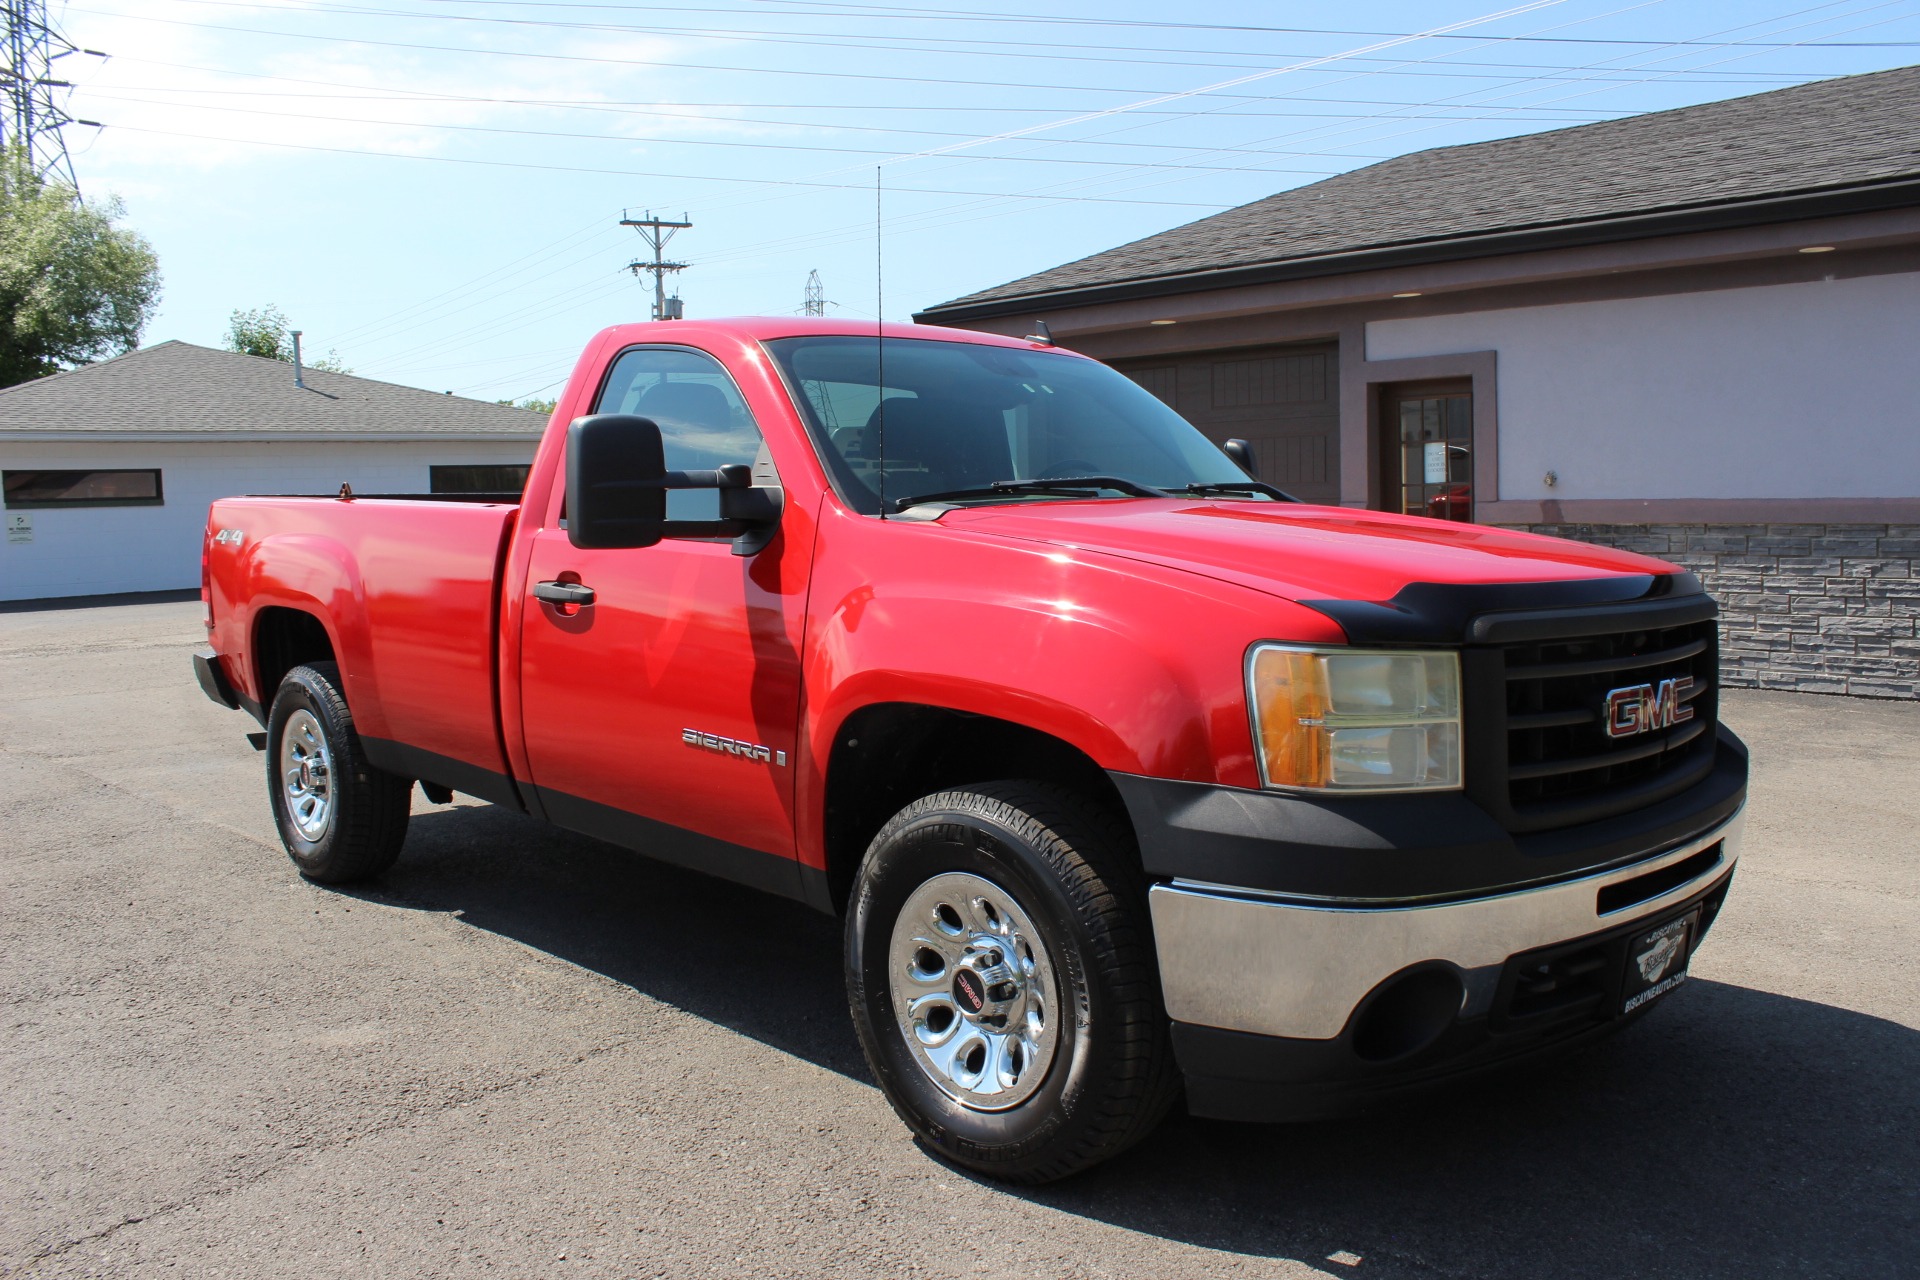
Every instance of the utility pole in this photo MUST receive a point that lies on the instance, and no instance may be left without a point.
(35, 115)
(816, 304)
(656, 232)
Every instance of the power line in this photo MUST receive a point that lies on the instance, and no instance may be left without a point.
(1054, 52)
(974, 198)
(900, 13)
(931, 214)
(1110, 110)
(906, 13)
(399, 94)
(1400, 65)
(1755, 78)
(1158, 182)
(637, 173)
(734, 143)
(1569, 115)
(944, 217)
(761, 35)
(1307, 64)
(604, 285)
(414, 313)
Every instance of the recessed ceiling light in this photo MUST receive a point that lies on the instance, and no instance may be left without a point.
(1818, 248)
(1411, 293)
(1163, 322)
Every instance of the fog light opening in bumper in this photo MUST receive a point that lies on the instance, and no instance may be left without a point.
(1407, 1013)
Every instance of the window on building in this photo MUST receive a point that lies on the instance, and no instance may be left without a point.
(477, 479)
(1429, 462)
(28, 489)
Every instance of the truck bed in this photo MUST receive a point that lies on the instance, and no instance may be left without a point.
(415, 583)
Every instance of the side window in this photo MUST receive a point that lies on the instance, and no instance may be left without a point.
(703, 420)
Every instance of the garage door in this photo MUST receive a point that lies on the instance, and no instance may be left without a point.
(1282, 400)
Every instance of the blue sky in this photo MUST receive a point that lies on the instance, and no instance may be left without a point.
(433, 187)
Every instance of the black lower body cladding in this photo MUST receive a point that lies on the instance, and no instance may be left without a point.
(212, 679)
(1398, 846)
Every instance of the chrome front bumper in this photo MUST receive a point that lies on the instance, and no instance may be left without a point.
(1275, 965)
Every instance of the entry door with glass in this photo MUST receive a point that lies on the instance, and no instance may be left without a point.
(1429, 469)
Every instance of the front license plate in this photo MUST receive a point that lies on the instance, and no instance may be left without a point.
(1657, 961)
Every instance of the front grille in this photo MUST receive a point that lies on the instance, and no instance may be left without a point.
(1554, 764)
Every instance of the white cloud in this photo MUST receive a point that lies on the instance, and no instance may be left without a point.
(168, 107)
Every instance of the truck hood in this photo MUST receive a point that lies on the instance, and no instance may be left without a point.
(1301, 552)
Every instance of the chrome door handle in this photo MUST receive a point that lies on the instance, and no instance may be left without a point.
(563, 593)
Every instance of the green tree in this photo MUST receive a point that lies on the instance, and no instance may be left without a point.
(265, 332)
(530, 404)
(260, 333)
(74, 287)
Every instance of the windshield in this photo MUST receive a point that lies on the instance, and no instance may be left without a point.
(963, 416)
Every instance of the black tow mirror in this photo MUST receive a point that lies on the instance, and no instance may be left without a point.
(617, 484)
(1242, 454)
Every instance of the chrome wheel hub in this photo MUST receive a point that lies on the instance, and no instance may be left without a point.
(306, 774)
(973, 991)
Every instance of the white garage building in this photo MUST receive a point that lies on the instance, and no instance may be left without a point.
(108, 469)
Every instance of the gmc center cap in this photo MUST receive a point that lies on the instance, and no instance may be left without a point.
(969, 992)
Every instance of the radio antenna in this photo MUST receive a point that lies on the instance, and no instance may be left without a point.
(879, 345)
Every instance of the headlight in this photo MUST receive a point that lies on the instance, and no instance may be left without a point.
(1355, 719)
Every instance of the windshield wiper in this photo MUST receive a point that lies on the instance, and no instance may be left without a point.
(1065, 486)
(1238, 486)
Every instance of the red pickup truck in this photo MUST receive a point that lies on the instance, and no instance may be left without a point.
(1128, 774)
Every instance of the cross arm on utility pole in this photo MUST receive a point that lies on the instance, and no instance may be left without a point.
(656, 232)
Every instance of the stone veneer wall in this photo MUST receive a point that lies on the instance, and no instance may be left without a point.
(1817, 608)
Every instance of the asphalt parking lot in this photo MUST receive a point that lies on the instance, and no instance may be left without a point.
(524, 1053)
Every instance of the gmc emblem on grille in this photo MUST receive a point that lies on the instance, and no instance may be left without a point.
(1640, 708)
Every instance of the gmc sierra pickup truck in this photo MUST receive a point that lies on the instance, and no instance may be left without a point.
(1129, 775)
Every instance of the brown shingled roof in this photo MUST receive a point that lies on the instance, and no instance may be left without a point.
(1832, 134)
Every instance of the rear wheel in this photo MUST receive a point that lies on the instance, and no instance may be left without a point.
(340, 818)
(1001, 975)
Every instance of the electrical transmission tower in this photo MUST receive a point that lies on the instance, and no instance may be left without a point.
(656, 232)
(35, 95)
(816, 303)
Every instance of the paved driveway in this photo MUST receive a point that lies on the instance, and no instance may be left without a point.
(529, 1054)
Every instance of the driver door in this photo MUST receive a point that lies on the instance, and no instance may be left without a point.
(664, 715)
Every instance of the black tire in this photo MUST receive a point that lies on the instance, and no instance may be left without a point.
(367, 821)
(1071, 868)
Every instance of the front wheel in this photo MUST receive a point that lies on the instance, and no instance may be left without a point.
(340, 818)
(1001, 975)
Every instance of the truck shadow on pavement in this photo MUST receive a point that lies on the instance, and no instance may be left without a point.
(1734, 1132)
(760, 965)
